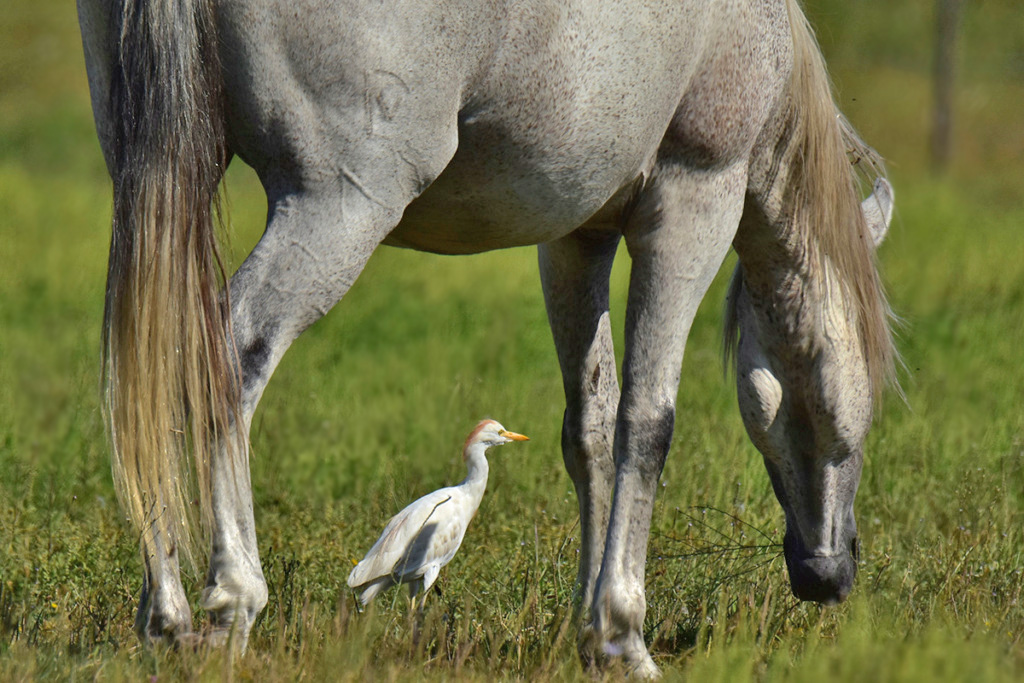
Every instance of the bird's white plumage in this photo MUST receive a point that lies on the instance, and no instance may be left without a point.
(428, 531)
(424, 537)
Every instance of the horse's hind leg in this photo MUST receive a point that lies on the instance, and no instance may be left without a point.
(678, 236)
(316, 244)
(574, 272)
(163, 613)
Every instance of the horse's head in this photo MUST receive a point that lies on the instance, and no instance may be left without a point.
(805, 397)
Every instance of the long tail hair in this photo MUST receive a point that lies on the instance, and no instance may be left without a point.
(170, 383)
(826, 198)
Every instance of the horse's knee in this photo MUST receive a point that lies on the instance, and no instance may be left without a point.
(643, 438)
(587, 440)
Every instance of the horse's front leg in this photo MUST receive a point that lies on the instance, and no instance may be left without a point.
(678, 236)
(574, 272)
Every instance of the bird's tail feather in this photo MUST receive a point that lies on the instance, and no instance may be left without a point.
(372, 589)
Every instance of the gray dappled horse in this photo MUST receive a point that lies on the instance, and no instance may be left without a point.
(457, 126)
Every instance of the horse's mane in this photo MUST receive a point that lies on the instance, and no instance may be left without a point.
(826, 199)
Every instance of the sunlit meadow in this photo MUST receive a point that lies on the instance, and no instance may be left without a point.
(369, 409)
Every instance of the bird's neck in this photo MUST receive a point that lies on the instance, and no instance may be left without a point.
(476, 463)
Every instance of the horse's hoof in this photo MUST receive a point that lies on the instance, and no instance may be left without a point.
(189, 642)
(645, 669)
(225, 638)
(588, 647)
(598, 655)
(162, 622)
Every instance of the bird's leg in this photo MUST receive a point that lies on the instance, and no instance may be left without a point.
(574, 272)
(416, 612)
(678, 236)
(413, 592)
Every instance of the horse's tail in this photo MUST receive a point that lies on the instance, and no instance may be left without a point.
(169, 375)
(827, 191)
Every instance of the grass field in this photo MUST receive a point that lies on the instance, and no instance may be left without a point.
(369, 408)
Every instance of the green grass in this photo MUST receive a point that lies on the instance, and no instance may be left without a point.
(369, 408)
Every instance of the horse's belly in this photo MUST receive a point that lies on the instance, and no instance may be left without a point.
(486, 201)
(568, 116)
(532, 174)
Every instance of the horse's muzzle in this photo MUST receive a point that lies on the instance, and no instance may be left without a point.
(826, 579)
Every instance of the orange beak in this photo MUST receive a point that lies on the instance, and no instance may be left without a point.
(512, 435)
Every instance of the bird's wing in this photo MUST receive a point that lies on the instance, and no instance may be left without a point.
(438, 541)
(430, 576)
(401, 535)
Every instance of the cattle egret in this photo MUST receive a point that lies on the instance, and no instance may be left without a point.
(424, 537)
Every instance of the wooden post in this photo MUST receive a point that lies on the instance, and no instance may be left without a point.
(947, 14)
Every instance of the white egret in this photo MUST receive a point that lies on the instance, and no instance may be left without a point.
(424, 537)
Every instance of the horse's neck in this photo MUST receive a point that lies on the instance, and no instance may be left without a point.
(773, 246)
(768, 235)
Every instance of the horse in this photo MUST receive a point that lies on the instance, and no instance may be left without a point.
(683, 128)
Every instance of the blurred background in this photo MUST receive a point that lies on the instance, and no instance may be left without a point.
(369, 408)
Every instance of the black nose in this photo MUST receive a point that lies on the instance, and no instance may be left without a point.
(827, 579)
